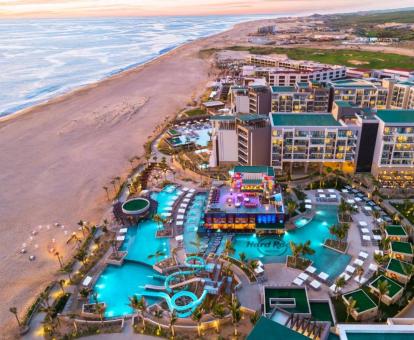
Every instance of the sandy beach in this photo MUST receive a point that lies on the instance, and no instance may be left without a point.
(56, 157)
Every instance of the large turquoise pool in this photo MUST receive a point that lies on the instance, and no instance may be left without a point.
(275, 248)
(117, 284)
(165, 199)
(140, 243)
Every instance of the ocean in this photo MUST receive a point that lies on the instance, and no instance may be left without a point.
(42, 58)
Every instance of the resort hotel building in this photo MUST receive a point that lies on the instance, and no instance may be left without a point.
(401, 94)
(393, 161)
(250, 202)
(359, 92)
(303, 97)
(300, 140)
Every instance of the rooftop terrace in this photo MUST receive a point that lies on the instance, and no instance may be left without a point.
(399, 267)
(308, 119)
(402, 247)
(395, 230)
(294, 300)
(363, 301)
(396, 116)
(393, 287)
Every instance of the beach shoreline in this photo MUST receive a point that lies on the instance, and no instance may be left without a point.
(57, 156)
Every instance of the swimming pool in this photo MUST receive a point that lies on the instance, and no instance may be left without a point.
(117, 284)
(274, 248)
(165, 199)
(193, 220)
(141, 243)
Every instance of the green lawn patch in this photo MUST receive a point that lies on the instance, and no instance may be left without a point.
(347, 57)
(195, 112)
(363, 301)
(393, 287)
(321, 311)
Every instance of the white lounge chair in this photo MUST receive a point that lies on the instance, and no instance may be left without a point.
(364, 231)
(123, 230)
(310, 269)
(358, 262)
(120, 238)
(363, 255)
(315, 284)
(333, 288)
(303, 276)
(346, 276)
(350, 269)
(373, 267)
(323, 276)
(366, 238)
(87, 281)
(298, 282)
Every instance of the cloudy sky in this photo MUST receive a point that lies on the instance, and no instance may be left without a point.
(68, 8)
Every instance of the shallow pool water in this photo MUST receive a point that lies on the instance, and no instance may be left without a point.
(275, 248)
(141, 243)
(117, 284)
(192, 222)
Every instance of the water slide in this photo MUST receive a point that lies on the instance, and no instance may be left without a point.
(183, 311)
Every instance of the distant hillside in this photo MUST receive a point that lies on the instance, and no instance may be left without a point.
(366, 24)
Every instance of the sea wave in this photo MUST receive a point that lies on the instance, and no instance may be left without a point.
(44, 58)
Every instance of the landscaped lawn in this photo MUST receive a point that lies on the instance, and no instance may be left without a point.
(345, 57)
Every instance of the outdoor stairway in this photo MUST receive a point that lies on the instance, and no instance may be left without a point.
(307, 327)
(225, 91)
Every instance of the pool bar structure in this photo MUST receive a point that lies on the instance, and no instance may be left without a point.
(136, 206)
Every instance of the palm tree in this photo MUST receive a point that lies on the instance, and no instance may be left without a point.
(383, 289)
(253, 264)
(74, 239)
(158, 219)
(306, 248)
(140, 306)
(157, 255)
(219, 313)
(173, 320)
(100, 310)
(44, 298)
(13, 310)
(254, 317)
(296, 249)
(350, 306)
(62, 286)
(291, 208)
(114, 245)
(229, 248)
(337, 173)
(408, 270)
(339, 284)
(385, 243)
(59, 259)
(378, 258)
(197, 316)
(83, 226)
(158, 314)
(235, 313)
(243, 258)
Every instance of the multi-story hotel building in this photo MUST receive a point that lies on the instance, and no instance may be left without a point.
(259, 99)
(303, 97)
(359, 92)
(393, 162)
(313, 70)
(401, 94)
(241, 139)
(312, 139)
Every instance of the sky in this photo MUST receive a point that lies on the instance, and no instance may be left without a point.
(87, 8)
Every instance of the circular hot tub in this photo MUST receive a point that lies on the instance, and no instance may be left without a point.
(136, 206)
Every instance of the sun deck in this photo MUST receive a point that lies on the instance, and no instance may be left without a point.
(393, 287)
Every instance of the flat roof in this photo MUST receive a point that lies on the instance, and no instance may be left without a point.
(298, 293)
(255, 169)
(343, 103)
(264, 327)
(223, 117)
(398, 266)
(213, 103)
(352, 83)
(396, 116)
(402, 247)
(251, 117)
(395, 230)
(363, 301)
(283, 89)
(307, 119)
(393, 287)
